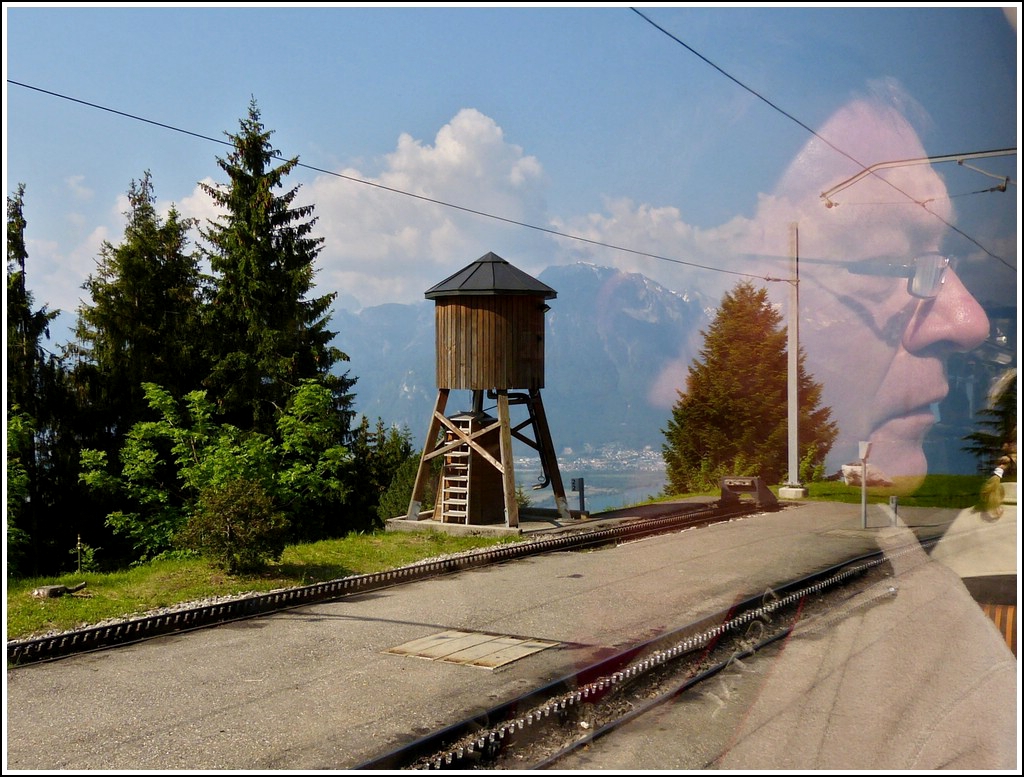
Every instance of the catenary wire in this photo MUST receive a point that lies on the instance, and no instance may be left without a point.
(835, 148)
(431, 200)
(547, 230)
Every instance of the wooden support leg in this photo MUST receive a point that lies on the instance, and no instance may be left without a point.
(508, 474)
(548, 456)
(424, 469)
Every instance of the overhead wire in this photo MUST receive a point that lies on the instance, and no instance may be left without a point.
(548, 230)
(432, 200)
(824, 140)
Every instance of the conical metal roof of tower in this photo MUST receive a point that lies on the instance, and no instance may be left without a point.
(489, 275)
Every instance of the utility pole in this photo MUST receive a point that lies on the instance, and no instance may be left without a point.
(793, 489)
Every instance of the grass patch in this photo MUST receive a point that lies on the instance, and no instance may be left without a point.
(946, 491)
(168, 582)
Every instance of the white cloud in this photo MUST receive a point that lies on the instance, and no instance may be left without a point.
(197, 204)
(390, 233)
(383, 245)
(660, 244)
(56, 276)
(77, 190)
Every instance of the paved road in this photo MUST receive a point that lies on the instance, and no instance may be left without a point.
(316, 688)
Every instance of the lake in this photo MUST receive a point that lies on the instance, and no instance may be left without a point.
(603, 489)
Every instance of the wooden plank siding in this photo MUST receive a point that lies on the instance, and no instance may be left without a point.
(490, 342)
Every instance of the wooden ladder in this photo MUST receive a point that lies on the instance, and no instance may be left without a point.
(455, 479)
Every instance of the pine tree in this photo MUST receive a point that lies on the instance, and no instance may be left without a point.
(377, 456)
(142, 325)
(37, 474)
(28, 363)
(733, 417)
(139, 325)
(266, 335)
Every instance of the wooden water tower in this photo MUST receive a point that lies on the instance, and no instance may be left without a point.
(489, 336)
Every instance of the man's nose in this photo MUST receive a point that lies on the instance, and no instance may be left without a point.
(953, 318)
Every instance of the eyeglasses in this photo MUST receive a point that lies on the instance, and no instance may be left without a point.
(925, 274)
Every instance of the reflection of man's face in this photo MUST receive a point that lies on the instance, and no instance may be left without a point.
(878, 350)
(881, 354)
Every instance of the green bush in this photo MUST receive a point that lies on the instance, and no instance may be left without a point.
(237, 526)
(812, 466)
(168, 463)
(395, 499)
(85, 557)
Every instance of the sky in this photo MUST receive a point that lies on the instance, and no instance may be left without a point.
(429, 135)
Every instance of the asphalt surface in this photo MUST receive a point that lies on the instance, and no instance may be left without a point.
(920, 679)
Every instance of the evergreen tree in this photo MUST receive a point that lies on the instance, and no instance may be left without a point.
(394, 502)
(733, 417)
(29, 365)
(140, 325)
(143, 321)
(266, 335)
(377, 456)
(37, 408)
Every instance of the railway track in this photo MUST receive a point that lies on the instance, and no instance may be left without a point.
(619, 711)
(543, 727)
(132, 630)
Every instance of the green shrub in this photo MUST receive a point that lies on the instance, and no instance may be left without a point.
(812, 466)
(85, 557)
(236, 525)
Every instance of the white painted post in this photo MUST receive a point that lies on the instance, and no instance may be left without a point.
(865, 450)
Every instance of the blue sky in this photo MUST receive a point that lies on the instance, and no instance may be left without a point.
(588, 121)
